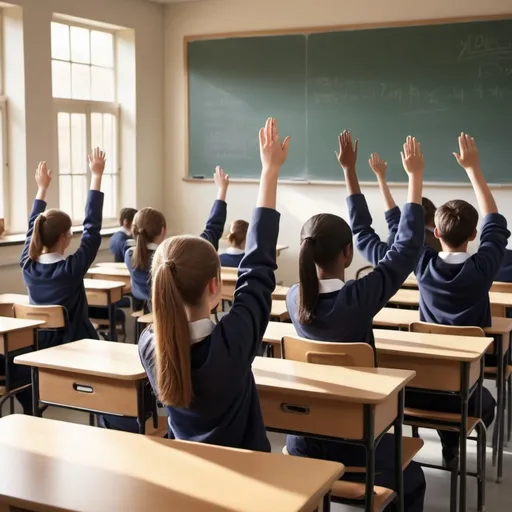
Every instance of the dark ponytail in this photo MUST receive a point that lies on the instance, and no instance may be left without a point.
(309, 285)
(146, 227)
(48, 228)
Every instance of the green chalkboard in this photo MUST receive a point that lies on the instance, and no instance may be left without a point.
(382, 84)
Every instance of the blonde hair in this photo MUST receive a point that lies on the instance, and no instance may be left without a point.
(48, 228)
(147, 225)
(181, 270)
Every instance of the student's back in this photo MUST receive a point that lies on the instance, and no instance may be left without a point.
(236, 238)
(505, 272)
(122, 239)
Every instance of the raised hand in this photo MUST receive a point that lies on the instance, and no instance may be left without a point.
(378, 165)
(468, 156)
(221, 179)
(43, 176)
(97, 162)
(412, 157)
(347, 155)
(273, 153)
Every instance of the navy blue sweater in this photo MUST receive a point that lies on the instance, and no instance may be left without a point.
(457, 294)
(231, 260)
(140, 278)
(62, 283)
(118, 245)
(226, 410)
(505, 272)
(346, 315)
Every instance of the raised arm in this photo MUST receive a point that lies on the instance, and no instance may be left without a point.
(217, 219)
(43, 180)
(248, 318)
(91, 238)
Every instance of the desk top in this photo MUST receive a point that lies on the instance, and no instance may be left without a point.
(360, 385)
(109, 271)
(112, 264)
(436, 346)
(278, 308)
(89, 357)
(101, 285)
(394, 317)
(8, 324)
(13, 298)
(276, 331)
(49, 465)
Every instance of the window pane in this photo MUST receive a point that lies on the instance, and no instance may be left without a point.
(61, 79)
(63, 123)
(78, 144)
(102, 49)
(109, 202)
(109, 139)
(80, 51)
(60, 41)
(65, 201)
(80, 82)
(79, 196)
(97, 130)
(102, 86)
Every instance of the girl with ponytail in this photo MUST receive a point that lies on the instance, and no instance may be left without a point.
(200, 371)
(236, 238)
(149, 229)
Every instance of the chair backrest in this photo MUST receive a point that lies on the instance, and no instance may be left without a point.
(427, 328)
(54, 317)
(364, 271)
(328, 353)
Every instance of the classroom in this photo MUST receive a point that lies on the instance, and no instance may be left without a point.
(349, 352)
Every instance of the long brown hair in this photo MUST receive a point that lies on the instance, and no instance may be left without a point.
(48, 228)
(147, 225)
(238, 232)
(323, 238)
(181, 270)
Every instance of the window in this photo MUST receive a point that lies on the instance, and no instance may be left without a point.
(83, 84)
(4, 206)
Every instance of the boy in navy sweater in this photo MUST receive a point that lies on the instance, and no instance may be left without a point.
(200, 371)
(324, 307)
(454, 284)
(120, 241)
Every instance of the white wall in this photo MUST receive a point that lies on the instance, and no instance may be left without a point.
(32, 107)
(189, 202)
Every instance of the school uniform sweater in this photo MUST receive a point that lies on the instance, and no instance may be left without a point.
(454, 286)
(119, 242)
(225, 409)
(344, 311)
(54, 279)
(140, 278)
(505, 272)
(232, 257)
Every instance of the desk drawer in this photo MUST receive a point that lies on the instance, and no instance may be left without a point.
(88, 392)
(16, 340)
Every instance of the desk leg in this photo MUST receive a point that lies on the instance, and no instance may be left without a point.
(369, 436)
(141, 407)
(112, 321)
(326, 507)
(399, 475)
(36, 411)
(463, 435)
(500, 420)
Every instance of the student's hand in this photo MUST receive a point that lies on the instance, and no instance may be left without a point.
(347, 155)
(378, 166)
(273, 153)
(43, 180)
(412, 158)
(222, 181)
(97, 162)
(468, 156)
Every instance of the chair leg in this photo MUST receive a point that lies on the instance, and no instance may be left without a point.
(11, 404)
(454, 478)
(480, 452)
(92, 420)
(415, 432)
(509, 407)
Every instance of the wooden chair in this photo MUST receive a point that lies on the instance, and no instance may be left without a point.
(347, 354)
(417, 418)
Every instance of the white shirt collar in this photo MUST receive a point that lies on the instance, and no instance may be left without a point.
(126, 231)
(49, 258)
(454, 258)
(200, 329)
(330, 285)
(152, 246)
(234, 250)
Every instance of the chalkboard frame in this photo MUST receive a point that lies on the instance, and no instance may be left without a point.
(314, 30)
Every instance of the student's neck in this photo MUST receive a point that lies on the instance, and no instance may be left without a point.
(324, 275)
(199, 313)
(461, 248)
(55, 249)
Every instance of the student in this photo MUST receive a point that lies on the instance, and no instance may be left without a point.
(324, 307)
(236, 237)
(505, 272)
(149, 228)
(379, 167)
(454, 284)
(120, 240)
(200, 371)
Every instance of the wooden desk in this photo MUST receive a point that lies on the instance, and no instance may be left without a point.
(112, 264)
(280, 248)
(112, 274)
(279, 311)
(105, 294)
(7, 300)
(229, 284)
(89, 375)
(52, 465)
(355, 405)
(275, 332)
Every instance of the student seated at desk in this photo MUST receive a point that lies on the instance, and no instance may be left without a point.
(121, 240)
(149, 228)
(505, 272)
(454, 284)
(324, 307)
(200, 371)
(236, 237)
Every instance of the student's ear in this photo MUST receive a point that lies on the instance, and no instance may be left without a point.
(436, 233)
(473, 236)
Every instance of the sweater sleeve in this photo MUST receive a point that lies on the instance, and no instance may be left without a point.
(392, 270)
(245, 324)
(80, 262)
(493, 244)
(392, 220)
(37, 208)
(368, 243)
(215, 223)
